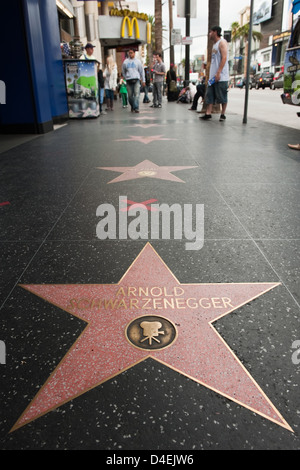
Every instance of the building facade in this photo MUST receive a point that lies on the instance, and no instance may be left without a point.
(271, 18)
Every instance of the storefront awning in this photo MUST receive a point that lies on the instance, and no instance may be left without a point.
(66, 7)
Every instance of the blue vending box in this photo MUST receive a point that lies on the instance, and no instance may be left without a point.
(82, 88)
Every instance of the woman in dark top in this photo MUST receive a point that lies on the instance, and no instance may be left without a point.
(101, 89)
(171, 81)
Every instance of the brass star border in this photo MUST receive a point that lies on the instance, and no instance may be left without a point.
(148, 288)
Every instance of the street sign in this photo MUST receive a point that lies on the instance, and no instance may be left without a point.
(187, 40)
(175, 37)
(181, 8)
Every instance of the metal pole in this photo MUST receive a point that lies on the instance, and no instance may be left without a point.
(248, 63)
(187, 47)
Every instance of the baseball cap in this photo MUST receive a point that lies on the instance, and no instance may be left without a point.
(89, 45)
(218, 30)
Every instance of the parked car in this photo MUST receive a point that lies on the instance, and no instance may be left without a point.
(262, 80)
(241, 83)
(277, 81)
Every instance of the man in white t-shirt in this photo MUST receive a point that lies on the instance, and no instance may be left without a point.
(217, 93)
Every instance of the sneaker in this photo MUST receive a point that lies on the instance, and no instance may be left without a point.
(103, 113)
(159, 106)
(222, 117)
(205, 117)
(136, 111)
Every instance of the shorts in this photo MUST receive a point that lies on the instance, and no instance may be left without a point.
(217, 93)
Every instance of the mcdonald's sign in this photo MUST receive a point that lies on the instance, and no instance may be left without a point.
(131, 23)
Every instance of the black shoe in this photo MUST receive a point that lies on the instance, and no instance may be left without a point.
(192, 109)
(205, 117)
(222, 117)
(136, 111)
(159, 106)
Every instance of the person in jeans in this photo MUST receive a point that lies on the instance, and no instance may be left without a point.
(133, 73)
(101, 90)
(159, 72)
(110, 74)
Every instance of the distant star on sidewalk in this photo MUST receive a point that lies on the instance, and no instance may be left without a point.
(146, 126)
(144, 139)
(146, 169)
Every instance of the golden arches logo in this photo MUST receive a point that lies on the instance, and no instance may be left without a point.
(130, 24)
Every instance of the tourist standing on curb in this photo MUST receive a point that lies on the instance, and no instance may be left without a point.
(133, 72)
(159, 71)
(217, 90)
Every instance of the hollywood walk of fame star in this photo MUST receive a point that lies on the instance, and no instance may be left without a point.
(146, 169)
(145, 118)
(146, 126)
(144, 139)
(126, 320)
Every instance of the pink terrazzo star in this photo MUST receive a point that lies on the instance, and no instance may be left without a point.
(144, 139)
(145, 118)
(148, 288)
(146, 126)
(146, 169)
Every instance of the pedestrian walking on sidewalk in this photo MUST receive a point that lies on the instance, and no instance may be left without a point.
(123, 92)
(101, 90)
(147, 84)
(171, 81)
(133, 72)
(159, 71)
(111, 76)
(217, 90)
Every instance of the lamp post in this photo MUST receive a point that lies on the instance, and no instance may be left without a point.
(187, 46)
(248, 64)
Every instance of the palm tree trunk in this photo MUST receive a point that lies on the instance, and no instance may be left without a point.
(213, 20)
(158, 25)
